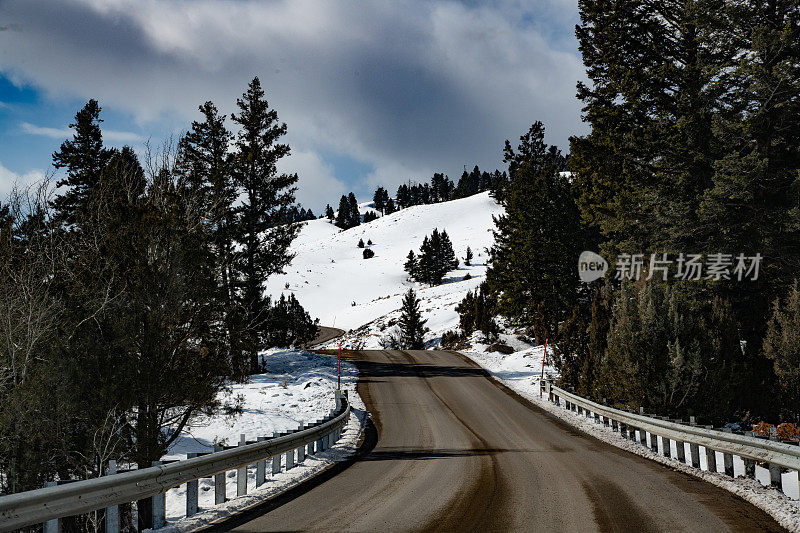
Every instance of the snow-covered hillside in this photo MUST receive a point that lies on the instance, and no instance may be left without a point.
(329, 274)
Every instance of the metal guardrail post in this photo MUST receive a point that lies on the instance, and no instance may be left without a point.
(112, 513)
(711, 460)
(54, 525)
(261, 467)
(276, 460)
(241, 472)
(192, 492)
(289, 460)
(159, 507)
(220, 489)
(301, 451)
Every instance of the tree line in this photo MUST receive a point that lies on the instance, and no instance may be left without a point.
(132, 295)
(694, 118)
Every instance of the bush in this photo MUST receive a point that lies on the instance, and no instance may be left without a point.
(450, 339)
(368, 253)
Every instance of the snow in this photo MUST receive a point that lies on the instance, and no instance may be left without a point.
(521, 370)
(328, 274)
(297, 387)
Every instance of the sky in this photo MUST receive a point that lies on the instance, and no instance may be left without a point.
(373, 93)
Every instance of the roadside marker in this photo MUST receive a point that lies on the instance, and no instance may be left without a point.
(339, 369)
(543, 359)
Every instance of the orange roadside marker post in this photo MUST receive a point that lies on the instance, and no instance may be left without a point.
(543, 359)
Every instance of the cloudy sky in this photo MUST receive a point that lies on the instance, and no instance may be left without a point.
(373, 93)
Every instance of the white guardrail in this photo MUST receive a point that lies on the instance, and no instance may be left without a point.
(770, 462)
(46, 506)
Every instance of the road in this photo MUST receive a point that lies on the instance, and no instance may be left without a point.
(324, 333)
(455, 450)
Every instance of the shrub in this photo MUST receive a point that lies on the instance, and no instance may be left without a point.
(368, 253)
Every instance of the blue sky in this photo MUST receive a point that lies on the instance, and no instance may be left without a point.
(372, 93)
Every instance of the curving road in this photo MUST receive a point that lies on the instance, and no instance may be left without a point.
(457, 451)
(324, 334)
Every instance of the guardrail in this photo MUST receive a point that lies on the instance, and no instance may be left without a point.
(46, 506)
(770, 462)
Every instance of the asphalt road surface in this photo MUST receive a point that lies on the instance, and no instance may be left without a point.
(452, 450)
(324, 333)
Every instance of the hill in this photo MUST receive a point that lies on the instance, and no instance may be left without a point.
(335, 283)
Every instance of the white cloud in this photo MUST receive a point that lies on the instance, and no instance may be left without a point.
(8, 179)
(405, 86)
(317, 184)
(66, 133)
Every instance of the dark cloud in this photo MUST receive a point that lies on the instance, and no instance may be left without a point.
(407, 87)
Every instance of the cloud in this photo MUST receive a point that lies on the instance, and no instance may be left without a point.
(317, 184)
(65, 133)
(8, 179)
(409, 86)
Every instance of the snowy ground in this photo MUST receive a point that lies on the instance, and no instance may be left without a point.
(329, 275)
(297, 387)
(521, 370)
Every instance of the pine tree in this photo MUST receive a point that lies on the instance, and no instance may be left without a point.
(447, 254)
(782, 348)
(84, 158)
(290, 324)
(343, 214)
(207, 174)
(537, 241)
(360, 243)
(354, 217)
(390, 208)
(468, 258)
(410, 265)
(412, 326)
(329, 212)
(264, 237)
(379, 199)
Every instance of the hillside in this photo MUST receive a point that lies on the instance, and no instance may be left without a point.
(329, 275)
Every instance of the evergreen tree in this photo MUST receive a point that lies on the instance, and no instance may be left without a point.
(403, 196)
(290, 324)
(264, 238)
(412, 325)
(782, 347)
(441, 188)
(354, 217)
(410, 265)
(390, 207)
(360, 243)
(329, 212)
(537, 240)
(343, 214)
(672, 350)
(207, 175)
(84, 158)
(379, 199)
(476, 313)
(468, 258)
(370, 216)
(368, 254)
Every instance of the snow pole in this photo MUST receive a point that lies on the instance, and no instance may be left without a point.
(543, 359)
(339, 369)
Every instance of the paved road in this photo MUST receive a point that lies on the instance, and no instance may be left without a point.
(324, 333)
(455, 451)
